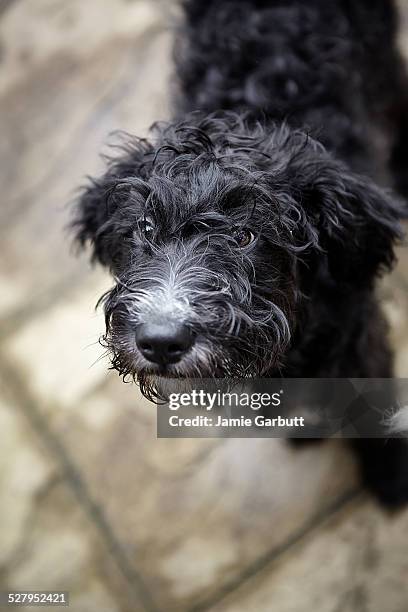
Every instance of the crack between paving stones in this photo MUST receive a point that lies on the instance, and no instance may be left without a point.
(18, 553)
(16, 388)
(29, 408)
(277, 552)
(105, 102)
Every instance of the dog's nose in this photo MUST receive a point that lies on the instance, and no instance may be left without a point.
(163, 343)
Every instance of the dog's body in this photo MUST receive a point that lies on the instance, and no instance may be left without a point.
(240, 246)
(330, 66)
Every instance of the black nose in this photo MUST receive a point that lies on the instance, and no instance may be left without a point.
(163, 343)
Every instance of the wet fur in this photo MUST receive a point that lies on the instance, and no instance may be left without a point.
(288, 117)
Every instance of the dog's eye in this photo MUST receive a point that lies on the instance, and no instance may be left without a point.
(146, 226)
(243, 237)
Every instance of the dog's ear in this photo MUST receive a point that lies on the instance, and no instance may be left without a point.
(101, 197)
(356, 224)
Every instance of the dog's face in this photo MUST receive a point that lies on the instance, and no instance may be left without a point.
(214, 235)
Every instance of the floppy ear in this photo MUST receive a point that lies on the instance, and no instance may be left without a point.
(357, 223)
(101, 197)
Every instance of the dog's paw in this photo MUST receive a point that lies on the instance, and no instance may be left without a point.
(385, 469)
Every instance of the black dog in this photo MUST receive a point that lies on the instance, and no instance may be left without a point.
(240, 244)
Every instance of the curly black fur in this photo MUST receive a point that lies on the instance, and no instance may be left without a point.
(286, 109)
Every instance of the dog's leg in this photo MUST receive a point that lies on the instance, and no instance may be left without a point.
(384, 462)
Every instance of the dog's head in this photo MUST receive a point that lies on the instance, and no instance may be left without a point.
(214, 233)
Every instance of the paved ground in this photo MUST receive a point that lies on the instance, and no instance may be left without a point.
(91, 501)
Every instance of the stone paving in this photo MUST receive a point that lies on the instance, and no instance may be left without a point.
(91, 501)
